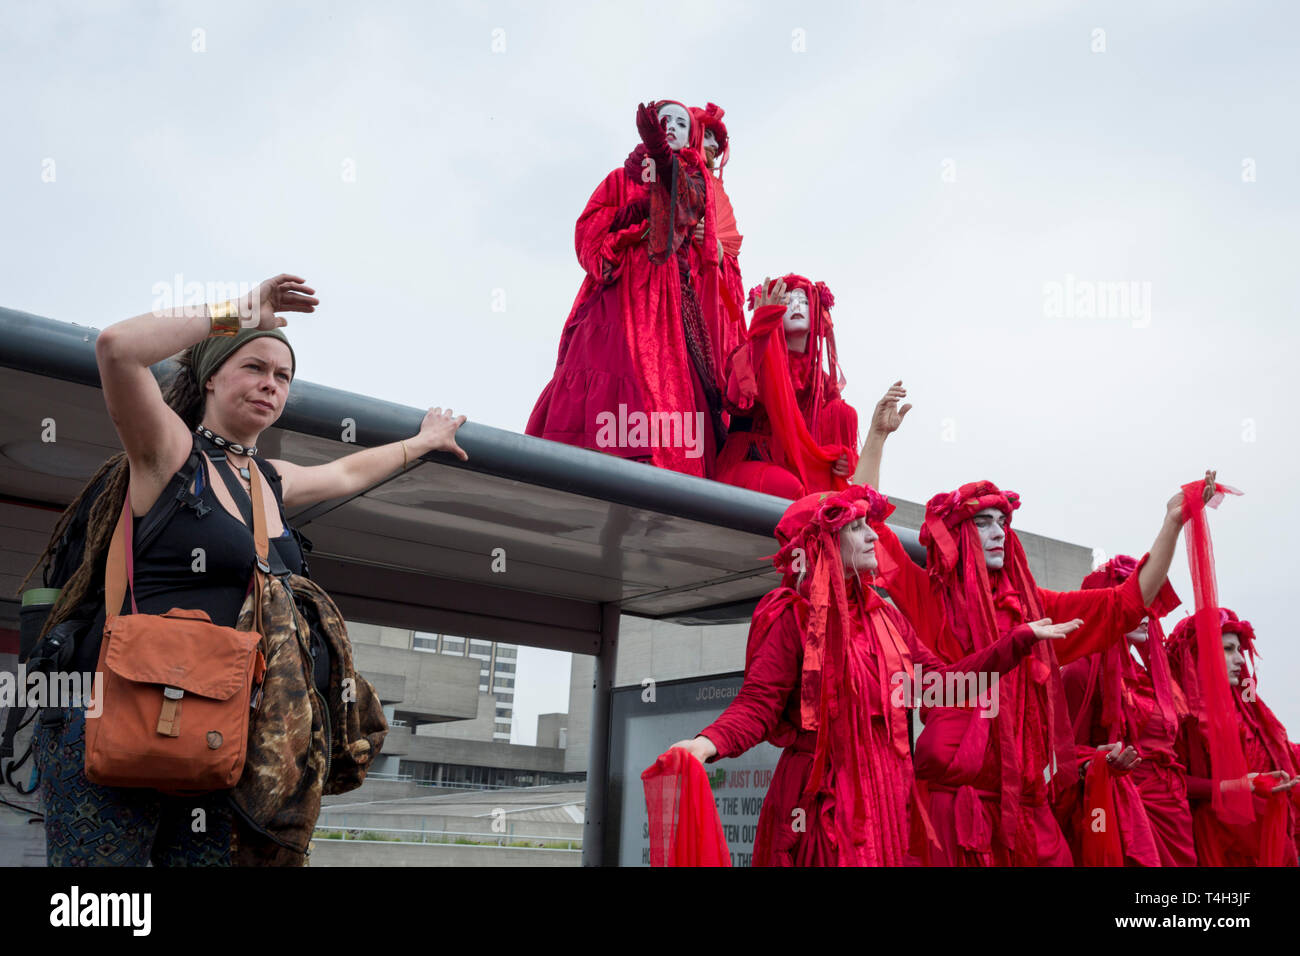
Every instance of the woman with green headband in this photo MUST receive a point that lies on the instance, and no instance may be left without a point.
(236, 367)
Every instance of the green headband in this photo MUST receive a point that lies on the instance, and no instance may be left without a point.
(208, 355)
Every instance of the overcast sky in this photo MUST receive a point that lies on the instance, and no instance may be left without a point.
(939, 165)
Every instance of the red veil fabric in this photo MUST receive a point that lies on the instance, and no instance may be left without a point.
(1217, 711)
(801, 422)
(624, 344)
(684, 825)
(1262, 840)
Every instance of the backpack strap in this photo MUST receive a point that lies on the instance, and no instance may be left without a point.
(177, 494)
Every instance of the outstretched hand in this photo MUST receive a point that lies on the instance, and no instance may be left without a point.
(438, 432)
(284, 293)
(888, 416)
(1045, 630)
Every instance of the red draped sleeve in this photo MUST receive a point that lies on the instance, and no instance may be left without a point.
(770, 678)
(600, 251)
(1107, 613)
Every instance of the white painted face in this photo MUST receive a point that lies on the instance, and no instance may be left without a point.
(677, 126)
(992, 526)
(1139, 634)
(1233, 658)
(710, 141)
(858, 548)
(796, 312)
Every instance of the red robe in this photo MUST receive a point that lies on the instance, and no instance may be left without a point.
(1150, 801)
(957, 758)
(623, 343)
(1264, 743)
(877, 768)
(748, 458)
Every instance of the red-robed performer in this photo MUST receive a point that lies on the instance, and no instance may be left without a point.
(635, 372)
(1126, 712)
(720, 287)
(992, 780)
(1270, 838)
(791, 433)
(823, 667)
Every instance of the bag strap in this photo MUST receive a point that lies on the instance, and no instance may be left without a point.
(120, 572)
(243, 503)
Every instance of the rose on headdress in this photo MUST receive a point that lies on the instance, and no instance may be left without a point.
(824, 294)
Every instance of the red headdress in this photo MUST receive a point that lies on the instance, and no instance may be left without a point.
(710, 118)
(809, 533)
(973, 596)
(794, 387)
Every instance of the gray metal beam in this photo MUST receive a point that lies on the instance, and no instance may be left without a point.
(602, 684)
(66, 351)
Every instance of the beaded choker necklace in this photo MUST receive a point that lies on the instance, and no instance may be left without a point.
(234, 447)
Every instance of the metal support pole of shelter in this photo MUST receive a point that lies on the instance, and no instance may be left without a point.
(602, 683)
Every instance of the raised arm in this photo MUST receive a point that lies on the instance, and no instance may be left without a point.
(305, 485)
(155, 439)
(1156, 570)
(884, 421)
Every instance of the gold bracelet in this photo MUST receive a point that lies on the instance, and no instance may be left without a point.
(225, 318)
(404, 458)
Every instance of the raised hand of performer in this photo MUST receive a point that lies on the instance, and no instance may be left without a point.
(885, 420)
(770, 293)
(653, 135)
(701, 748)
(1161, 556)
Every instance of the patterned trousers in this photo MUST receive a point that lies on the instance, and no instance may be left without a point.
(90, 825)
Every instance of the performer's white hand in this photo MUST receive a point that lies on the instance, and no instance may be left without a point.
(888, 416)
(1045, 630)
(772, 293)
(701, 748)
(1121, 759)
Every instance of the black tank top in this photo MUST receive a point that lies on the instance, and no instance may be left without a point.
(171, 573)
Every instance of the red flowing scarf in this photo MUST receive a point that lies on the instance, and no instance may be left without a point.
(684, 825)
(1226, 757)
(794, 407)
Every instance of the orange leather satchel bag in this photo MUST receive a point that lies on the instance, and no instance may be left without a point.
(177, 689)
